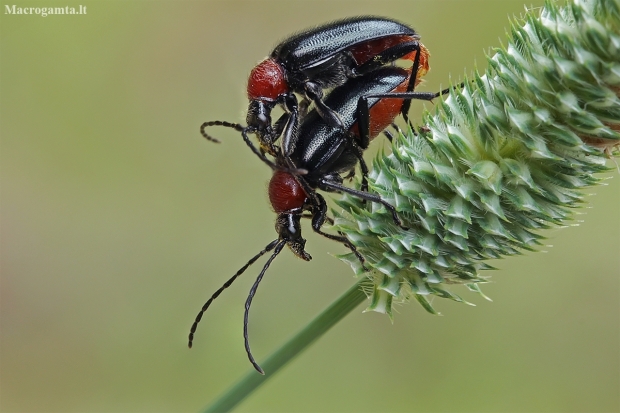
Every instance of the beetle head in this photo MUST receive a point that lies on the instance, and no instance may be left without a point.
(288, 227)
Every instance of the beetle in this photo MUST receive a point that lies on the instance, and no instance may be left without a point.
(317, 59)
(420, 68)
(318, 158)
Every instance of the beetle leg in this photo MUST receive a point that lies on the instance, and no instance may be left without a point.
(350, 175)
(278, 127)
(303, 108)
(363, 110)
(319, 216)
(360, 156)
(267, 141)
(289, 135)
(363, 121)
(327, 185)
(397, 128)
(404, 109)
(315, 94)
(388, 135)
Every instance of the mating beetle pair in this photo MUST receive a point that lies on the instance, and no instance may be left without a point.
(316, 149)
(321, 58)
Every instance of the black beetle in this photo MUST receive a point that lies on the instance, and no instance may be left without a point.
(317, 59)
(323, 153)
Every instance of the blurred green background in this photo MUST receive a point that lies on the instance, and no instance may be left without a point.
(119, 220)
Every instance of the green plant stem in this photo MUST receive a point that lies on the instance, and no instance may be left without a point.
(315, 329)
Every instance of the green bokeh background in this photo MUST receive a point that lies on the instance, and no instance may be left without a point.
(119, 220)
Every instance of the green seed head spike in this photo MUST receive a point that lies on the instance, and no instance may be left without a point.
(500, 159)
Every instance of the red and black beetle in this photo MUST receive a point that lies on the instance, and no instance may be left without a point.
(321, 58)
(366, 105)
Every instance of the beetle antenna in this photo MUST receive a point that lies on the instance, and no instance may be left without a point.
(295, 171)
(227, 284)
(205, 125)
(244, 133)
(248, 303)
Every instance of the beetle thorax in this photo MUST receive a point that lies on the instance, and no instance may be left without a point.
(267, 81)
(285, 192)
